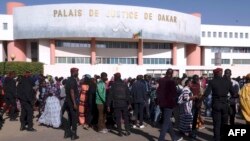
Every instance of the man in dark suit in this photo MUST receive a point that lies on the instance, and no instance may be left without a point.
(26, 95)
(10, 95)
(71, 104)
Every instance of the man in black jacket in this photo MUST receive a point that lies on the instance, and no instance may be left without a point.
(119, 95)
(10, 95)
(71, 105)
(26, 95)
(138, 93)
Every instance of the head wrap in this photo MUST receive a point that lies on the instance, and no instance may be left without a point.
(248, 76)
(87, 76)
(217, 71)
(74, 70)
(117, 75)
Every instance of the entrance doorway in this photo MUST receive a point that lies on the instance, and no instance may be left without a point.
(34, 51)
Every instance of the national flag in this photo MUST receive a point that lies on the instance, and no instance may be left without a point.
(137, 35)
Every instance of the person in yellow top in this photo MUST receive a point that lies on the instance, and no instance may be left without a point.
(245, 99)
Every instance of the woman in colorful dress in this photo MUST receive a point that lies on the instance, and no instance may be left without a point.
(185, 101)
(83, 105)
(52, 110)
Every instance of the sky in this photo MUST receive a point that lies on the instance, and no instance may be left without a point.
(216, 12)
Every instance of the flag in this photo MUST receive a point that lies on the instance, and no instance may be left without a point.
(137, 35)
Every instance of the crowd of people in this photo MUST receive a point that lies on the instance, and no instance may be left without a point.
(101, 104)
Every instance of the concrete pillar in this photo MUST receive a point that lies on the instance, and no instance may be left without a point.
(93, 51)
(11, 5)
(140, 52)
(174, 54)
(52, 51)
(193, 54)
(16, 50)
(197, 14)
(203, 56)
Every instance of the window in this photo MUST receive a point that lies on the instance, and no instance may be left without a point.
(122, 61)
(241, 50)
(220, 34)
(235, 35)
(241, 35)
(146, 60)
(208, 34)
(214, 34)
(85, 44)
(73, 60)
(223, 61)
(230, 34)
(203, 34)
(60, 59)
(110, 44)
(241, 61)
(147, 45)
(246, 35)
(5, 26)
(157, 60)
(215, 49)
(116, 60)
(225, 34)
(86, 60)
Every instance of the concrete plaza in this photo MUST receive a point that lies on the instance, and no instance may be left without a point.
(11, 132)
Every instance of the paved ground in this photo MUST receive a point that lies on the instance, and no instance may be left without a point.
(10, 132)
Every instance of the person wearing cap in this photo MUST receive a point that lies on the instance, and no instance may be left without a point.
(119, 95)
(26, 95)
(219, 87)
(71, 104)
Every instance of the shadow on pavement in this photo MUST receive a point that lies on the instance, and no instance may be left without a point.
(144, 134)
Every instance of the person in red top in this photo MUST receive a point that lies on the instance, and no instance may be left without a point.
(167, 94)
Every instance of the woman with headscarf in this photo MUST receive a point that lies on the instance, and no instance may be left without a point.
(52, 111)
(245, 99)
(83, 104)
(185, 101)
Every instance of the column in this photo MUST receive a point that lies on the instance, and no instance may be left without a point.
(202, 56)
(93, 51)
(16, 50)
(193, 54)
(11, 5)
(52, 51)
(174, 54)
(140, 52)
(1, 52)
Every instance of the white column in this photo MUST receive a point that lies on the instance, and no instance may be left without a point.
(28, 52)
(1, 52)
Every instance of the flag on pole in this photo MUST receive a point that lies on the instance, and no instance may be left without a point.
(137, 35)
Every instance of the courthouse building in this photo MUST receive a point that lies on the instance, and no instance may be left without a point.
(119, 38)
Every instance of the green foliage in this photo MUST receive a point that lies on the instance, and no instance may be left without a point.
(21, 67)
